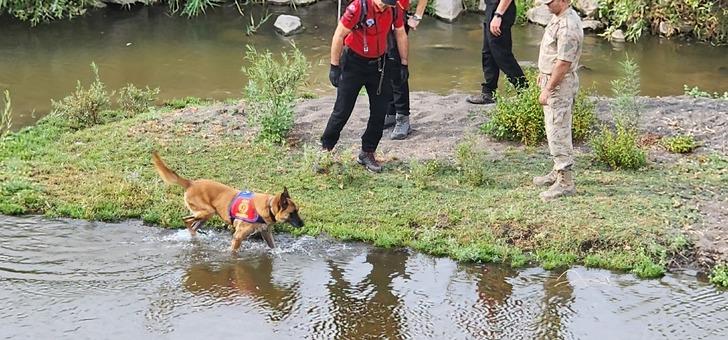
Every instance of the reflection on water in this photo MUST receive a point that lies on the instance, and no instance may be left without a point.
(79, 280)
(202, 56)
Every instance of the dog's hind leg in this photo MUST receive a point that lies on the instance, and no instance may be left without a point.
(268, 237)
(242, 231)
(197, 220)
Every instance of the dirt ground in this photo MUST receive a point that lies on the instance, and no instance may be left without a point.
(440, 121)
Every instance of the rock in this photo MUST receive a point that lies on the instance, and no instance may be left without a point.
(295, 2)
(666, 28)
(288, 24)
(587, 7)
(539, 15)
(592, 25)
(448, 10)
(123, 2)
(617, 36)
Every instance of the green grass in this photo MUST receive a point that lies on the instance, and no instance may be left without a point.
(623, 220)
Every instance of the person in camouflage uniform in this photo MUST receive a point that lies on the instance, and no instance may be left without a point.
(557, 63)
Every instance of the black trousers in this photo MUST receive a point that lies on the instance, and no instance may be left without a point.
(357, 72)
(498, 51)
(400, 90)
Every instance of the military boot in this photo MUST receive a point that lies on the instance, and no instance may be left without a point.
(402, 129)
(547, 180)
(368, 161)
(481, 98)
(564, 186)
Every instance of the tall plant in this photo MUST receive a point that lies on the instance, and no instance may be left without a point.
(273, 86)
(6, 115)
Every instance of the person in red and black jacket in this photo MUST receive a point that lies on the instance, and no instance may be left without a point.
(358, 51)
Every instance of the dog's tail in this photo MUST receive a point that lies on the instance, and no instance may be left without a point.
(167, 174)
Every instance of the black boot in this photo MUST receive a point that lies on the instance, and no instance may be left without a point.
(481, 98)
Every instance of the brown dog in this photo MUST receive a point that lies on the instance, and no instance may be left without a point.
(247, 212)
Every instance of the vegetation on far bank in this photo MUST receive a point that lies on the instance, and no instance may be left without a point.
(706, 20)
(479, 207)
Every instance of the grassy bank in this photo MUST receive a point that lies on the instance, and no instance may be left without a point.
(631, 221)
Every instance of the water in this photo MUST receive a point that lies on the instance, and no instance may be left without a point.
(203, 56)
(62, 279)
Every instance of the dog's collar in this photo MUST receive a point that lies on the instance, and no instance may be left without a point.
(270, 209)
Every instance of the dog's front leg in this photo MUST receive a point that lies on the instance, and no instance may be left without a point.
(242, 231)
(267, 234)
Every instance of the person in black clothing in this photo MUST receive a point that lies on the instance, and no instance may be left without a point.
(363, 41)
(500, 15)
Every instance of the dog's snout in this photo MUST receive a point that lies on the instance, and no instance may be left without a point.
(296, 220)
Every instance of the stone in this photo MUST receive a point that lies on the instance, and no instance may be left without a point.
(295, 2)
(288, 24)
(617, 36)
(448, 10)
(539, 15)
(586, 7)
(592, 25)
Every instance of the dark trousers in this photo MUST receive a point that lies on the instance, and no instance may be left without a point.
(498, 51)
(400, 90)
(357, 72)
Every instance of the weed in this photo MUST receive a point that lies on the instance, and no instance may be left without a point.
(85, 106)
(519, 115)
(6, 116)
(719, 275)
(133, 100)
(680, 143)
(471, 163)
(272, 88)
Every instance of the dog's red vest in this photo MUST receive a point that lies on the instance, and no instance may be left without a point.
(241, 208)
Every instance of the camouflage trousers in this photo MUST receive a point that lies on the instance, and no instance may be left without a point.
(558, 117)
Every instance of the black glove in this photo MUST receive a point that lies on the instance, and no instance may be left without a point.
(335, 75)
(403, 73)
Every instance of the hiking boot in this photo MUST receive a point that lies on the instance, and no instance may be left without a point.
(323, 161)
(389, 121)
(481, 98)
(402, 129)
(544, 181)
(368, 161)
(564, 186)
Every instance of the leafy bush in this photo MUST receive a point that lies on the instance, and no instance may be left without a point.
(271, 90)
(618, 149)
(6, 118)
(519, 115)
(626, 89)
(719, 275)
(706, 19)
(133, 100)
(680, 143)
(696, 92)
(84, 107)
(181, 103)
(471, 163)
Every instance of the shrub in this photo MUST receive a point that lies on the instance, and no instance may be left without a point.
(519, 115)
(680, 144)
(133, 100)
(84, 107)
(719, 275)
(271, 90)
(626, 89)
(696, 92)
(618, 149)
(421, 173)
(181, 103)
(471, 163)
(6, 118)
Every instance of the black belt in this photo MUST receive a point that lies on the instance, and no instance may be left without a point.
(354, 55)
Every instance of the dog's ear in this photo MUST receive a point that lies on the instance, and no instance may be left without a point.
(283, 199)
